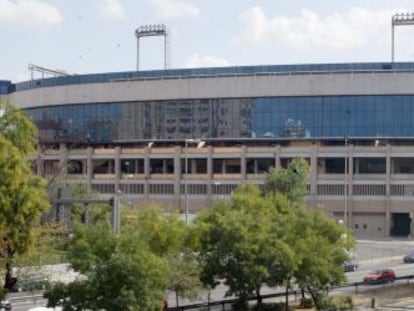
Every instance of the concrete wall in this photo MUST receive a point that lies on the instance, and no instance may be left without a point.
(306, 84)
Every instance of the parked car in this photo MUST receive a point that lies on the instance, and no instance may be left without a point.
(5, 305)
(409, 257)
(380, 276)
(350, 266)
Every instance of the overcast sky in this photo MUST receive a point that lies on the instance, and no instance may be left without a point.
(91, 36)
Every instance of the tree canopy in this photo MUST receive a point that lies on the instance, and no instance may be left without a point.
(132, 270)
(271, 238)
(23, 195)
(290, 181)
(120, 273)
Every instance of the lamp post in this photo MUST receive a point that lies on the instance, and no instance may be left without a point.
(200, 143)
(401, 19)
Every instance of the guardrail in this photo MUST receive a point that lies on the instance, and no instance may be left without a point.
(25, 298)
(296, 293)
(225, 302)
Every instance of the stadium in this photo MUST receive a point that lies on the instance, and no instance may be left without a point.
(188, 137)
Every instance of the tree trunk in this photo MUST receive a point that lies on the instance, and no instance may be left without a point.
(259, 297)
(287, 298)
(9, 280)
(314, 298)
(176, 298)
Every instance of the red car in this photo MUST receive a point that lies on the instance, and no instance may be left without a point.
(380, 276)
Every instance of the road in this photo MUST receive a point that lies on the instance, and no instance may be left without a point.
(370, 255)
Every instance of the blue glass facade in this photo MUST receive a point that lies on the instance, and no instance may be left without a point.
(335, 116)
(5, 87)
(274, 117)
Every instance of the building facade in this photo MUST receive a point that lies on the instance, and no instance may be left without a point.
(137, 134)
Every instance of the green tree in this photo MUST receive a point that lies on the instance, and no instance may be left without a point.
(271, 239)
(168, 236)
(23, 195)
(184, 276)
(290, 181)
(244, 244)
(119, 273)
(48, 246)
(321, 245)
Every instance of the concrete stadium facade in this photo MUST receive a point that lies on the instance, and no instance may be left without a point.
(133, 133)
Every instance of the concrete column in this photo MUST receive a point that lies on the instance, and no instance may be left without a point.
(314, 176)
(177, 175)
(63, 160)
(243, 162)
(117, 161)
(39, 161)
(210, 175)
(277, 156)
(147, 172)
(350, 155)
(387, 229)
(89, 166)
(210, 162)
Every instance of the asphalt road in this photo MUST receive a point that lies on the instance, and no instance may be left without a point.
(370, 255)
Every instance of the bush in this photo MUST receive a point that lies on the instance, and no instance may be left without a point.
(327, 303)
(306, 303)
(269, 307)
(336, 303)
(343, 303)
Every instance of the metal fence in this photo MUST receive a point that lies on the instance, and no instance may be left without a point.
(225, 304)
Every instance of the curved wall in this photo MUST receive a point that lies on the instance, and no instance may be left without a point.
(299, 84)
(315, 103)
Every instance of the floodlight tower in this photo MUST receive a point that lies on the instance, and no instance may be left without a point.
(150, 31)
(45, 71)
(399, 19)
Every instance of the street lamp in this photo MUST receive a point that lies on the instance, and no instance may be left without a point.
(400, 19)
(200, 143)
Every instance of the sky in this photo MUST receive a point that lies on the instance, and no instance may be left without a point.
(95, 36)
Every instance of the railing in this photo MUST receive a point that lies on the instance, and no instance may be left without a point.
(228, 302)
(295, 293)
(217, 72)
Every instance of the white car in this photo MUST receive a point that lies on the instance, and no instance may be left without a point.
(5, 305)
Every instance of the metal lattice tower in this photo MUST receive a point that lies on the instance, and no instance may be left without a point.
(400, 19)
(45, 71)
(151, 31)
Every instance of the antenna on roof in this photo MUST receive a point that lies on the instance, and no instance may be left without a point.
(45, 71)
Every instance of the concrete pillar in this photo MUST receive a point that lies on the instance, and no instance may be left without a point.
(277, 156)
(117, 161)
(350, 155)
(387, 229)
(210, 175)
(177, 175)
(147, 171)
(210, 162)
(89, 166)
(314, 176)
(39, 160)
(243, 162)
(63, 160)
